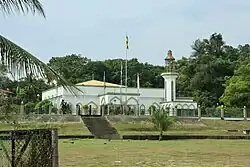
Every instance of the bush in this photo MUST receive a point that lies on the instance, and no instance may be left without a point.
(7, 106)
(162, 121)
(54, 110)
(85, 109)
(66, 108)
(42, 107)
(29, 108)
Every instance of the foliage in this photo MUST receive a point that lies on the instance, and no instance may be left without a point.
(237, 92)
(42, 107)
(29, 89)
(22, 6)
(66, 108)
(162, 121)
(29, 108)
(85, 109)
(54, 110)
(17, 61)
(151, 109)
(8, 106)
(80, 69)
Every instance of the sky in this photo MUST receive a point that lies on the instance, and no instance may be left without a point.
(97, 28)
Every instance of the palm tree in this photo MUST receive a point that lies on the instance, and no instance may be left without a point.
(19, 62)
(162, 121)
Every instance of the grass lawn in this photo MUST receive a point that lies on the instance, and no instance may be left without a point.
(206, 127)
(178, 153)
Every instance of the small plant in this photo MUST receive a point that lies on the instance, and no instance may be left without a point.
(151, 109)
(142, 112)
(85, 109)
(66, 108)
(42, 107)
(161, 121)
(29, 108)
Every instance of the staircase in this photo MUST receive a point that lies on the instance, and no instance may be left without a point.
(100, 127)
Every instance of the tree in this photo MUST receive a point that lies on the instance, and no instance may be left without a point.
(237, 91)
(19, 62)
(203, 75)
(81, 69)
(162, 121)
(75, 70)
(8, 106)
(29, 89)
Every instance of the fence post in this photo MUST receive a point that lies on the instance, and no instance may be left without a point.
(245, 113)
(199, 112)
(50, 109)
(13, 150)
(22, 108)
(55, 162)
(222, 112)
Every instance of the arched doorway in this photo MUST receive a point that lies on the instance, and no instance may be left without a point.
(133, 106)
(142, 109)
(79, 109)
(115, 106)
(92, 108)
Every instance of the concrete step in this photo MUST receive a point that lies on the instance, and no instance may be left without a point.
(100, 127)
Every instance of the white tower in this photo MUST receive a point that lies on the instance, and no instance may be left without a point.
(170, 79)
(178, 106)
(169, 86)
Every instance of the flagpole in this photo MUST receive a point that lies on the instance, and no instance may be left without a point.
(126, 73)
(138, 91)
(121, 90)
(104, 82)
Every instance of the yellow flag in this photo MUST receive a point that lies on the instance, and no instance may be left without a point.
(126, 42)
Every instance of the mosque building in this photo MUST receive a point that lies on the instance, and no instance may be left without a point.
(104, 98)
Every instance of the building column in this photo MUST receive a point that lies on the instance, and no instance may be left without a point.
(171, 111)
(74, 107)
(137, 110)
(199, 112)
(108, 109)
(174, 89)
(245, 113)
(165, 90)
(103, 110)
(175, 111)
(222, 113)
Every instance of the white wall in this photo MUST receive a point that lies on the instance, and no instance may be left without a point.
(148, 96)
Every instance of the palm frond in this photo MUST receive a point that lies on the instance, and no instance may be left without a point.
(21, 63)
(21, 6)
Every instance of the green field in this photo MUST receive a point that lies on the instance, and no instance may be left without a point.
(128, 153)
(206, 127)
(178, 153)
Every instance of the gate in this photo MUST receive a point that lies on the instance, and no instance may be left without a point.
(24, 148)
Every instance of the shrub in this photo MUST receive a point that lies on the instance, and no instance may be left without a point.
(161, 121)
(29, 108)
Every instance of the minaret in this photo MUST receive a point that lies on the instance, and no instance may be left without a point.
(169, 78)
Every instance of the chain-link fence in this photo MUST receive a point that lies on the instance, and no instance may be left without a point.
(229, 112)
(27, 148)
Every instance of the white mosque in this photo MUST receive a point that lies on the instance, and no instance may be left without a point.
(103, 98)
